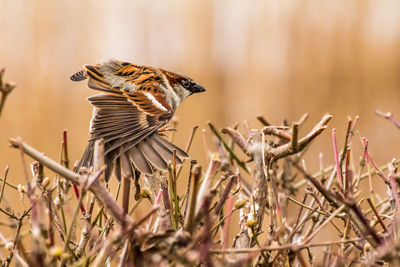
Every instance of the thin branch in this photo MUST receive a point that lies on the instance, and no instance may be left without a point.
(3, 184)
(336, 156)
(285, 150)
(97, 188)
(288, 247)
(295, 136)
(388, 116)
(227, 147)
(263, 120)
(377, 215)
(192, 199)
(326, 221)
(5, 89)
(225, 194)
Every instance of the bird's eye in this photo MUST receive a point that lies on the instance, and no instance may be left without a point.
(186, 84)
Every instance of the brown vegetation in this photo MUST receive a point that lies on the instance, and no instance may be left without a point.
(192, 227)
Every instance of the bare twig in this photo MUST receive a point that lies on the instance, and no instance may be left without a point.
(287, 247)
(225, 194)
(263, 120)
(281, 132)
(285, 150)
(295, 135)
(97, 188)
(5, 89)
(8, 260)
(336, 155)
(189, 220)
(3, 184)
(187, 148)
(388, 116)
(205, 185)
(232, 154)
(378, 217)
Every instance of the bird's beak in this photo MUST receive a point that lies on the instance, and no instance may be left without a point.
(197, 88)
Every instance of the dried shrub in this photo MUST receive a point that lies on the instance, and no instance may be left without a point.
(258, 173)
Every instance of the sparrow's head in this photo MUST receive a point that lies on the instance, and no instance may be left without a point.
(183, 85)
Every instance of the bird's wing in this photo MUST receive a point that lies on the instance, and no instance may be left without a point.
(140, 85)
(128, 133)
(127, 116)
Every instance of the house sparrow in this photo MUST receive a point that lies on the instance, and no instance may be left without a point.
(136, 103)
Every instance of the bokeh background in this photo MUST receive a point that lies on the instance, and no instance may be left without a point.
(279, 59)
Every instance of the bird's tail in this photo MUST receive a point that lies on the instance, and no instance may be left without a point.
(152, 152)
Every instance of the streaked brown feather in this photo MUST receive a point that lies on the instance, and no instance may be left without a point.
(147, 106)
(127, 118)
(131, 81)
(79, 76)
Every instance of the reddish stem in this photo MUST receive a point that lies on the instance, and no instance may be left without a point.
(336, 155)
(66, 164)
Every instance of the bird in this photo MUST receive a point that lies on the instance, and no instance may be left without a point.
(130, 114)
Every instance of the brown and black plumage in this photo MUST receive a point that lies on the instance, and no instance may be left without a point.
(135, 104)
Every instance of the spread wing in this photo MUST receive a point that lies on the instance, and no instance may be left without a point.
(127, 116)
(130, 135)
(140, 85)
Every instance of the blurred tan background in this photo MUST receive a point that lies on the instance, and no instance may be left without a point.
(275, 58)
